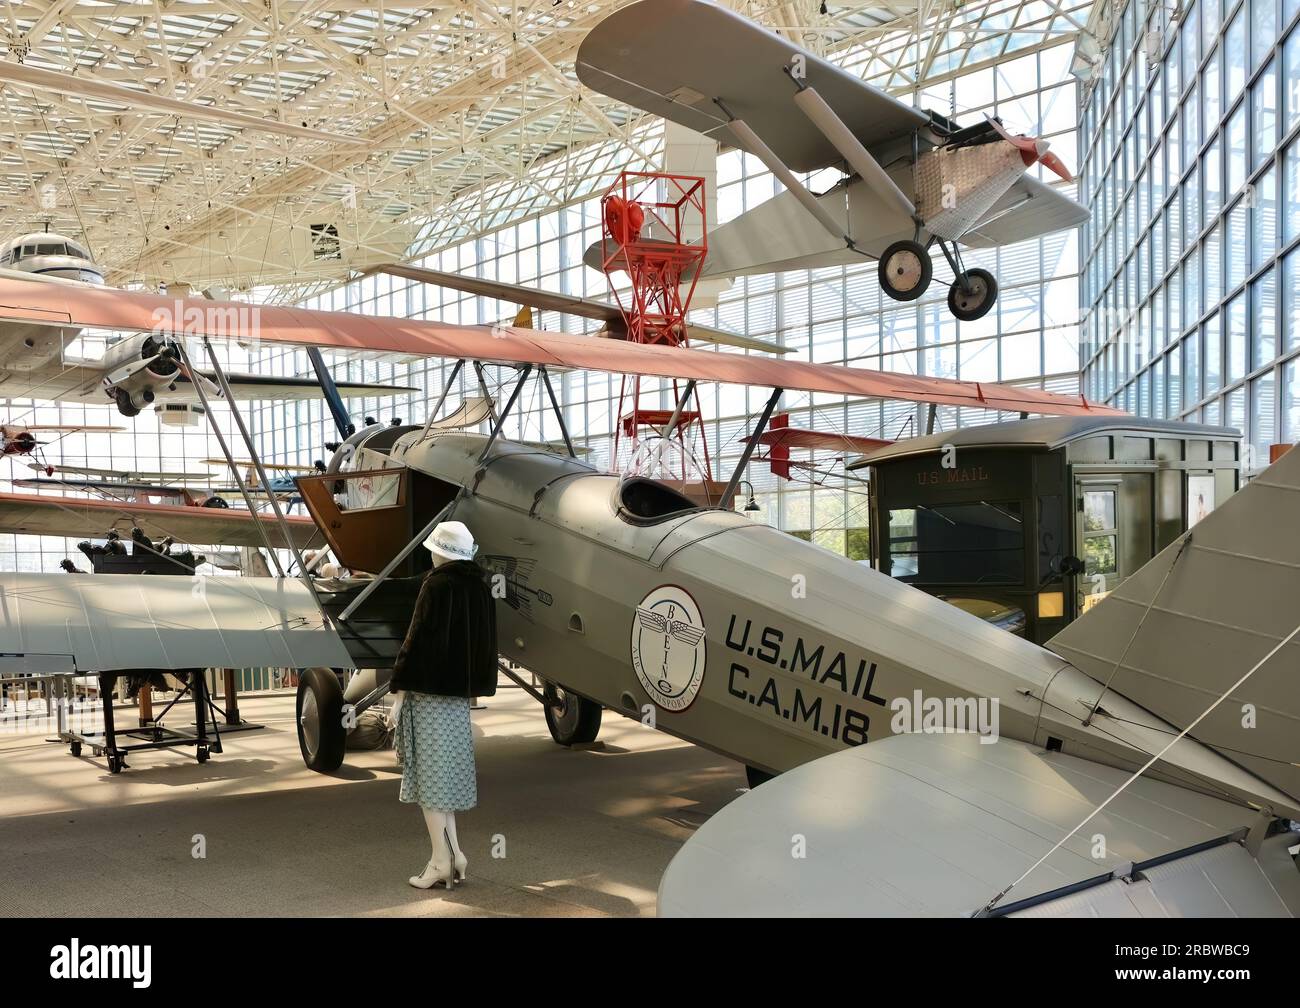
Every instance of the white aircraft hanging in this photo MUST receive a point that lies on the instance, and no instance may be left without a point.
(136, 370)
(913, 179)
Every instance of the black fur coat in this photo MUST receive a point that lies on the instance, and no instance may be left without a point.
(451, 646)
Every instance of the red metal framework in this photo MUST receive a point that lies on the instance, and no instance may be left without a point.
(649, 221)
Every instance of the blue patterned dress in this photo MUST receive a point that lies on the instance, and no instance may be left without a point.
(437, 746)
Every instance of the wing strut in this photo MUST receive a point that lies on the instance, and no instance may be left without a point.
(750, 141)
(437, 409)
(331, 391)
(751, 444)
(303, 574)
(832, 127)
(424, 533)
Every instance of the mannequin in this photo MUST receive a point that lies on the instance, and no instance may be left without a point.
(448, 656)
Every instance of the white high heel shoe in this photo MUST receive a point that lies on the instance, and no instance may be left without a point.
(433, 874)
(459, 866)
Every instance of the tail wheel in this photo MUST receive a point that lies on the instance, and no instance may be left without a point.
(905, 270)
(321, 735)
(573, 720)
(972, 299)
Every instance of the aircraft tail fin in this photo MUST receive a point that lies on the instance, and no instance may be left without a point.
(1188, 625)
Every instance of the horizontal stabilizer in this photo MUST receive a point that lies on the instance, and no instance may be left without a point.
(1199, 618)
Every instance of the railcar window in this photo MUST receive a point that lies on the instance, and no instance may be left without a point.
(980, 542)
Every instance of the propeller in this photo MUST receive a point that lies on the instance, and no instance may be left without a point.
(1033, 150)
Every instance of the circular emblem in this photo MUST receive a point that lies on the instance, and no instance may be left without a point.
(668, 647)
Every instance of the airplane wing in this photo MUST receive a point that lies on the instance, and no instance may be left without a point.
(937, 825)
(1028, 209)
(1167, 640)
(47, 515)
(601, 311)
(798, 437)
(107, 308)
(251, 386)
(105, 622)
(126, 474)
(101, 485)
(666, 57)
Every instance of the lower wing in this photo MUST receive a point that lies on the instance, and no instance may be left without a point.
(938, 825)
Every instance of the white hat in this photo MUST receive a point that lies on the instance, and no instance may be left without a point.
(451, 539)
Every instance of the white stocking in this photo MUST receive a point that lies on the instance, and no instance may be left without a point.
(441, 825)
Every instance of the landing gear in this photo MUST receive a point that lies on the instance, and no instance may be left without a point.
(573, 720)
(321, 735)
(972, 294)
(905, 270)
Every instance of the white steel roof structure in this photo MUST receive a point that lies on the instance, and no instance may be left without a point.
(469, 111)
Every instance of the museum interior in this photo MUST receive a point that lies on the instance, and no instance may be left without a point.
(588, 455)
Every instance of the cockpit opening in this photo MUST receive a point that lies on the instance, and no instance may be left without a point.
(645, 501)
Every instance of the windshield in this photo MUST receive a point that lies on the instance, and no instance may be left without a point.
(981, 542)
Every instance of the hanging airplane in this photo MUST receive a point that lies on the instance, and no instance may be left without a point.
(912, 179)
(20, 439)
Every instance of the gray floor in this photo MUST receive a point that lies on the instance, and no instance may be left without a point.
(557, 832)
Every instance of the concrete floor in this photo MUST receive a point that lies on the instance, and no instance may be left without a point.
(557, 832)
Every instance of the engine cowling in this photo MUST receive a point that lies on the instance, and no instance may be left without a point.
(137, 368)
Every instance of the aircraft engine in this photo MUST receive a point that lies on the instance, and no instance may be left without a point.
(137, 368)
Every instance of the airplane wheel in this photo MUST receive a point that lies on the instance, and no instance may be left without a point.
(573, 720)
(754, 776)
(75, 748)
(115, 764)
(972, 304)
(202, 755)
(905, 270)
(321, 735)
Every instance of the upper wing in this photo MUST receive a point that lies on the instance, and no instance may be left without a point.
(131, 310)
(48, 515)
(672, 58)
(601, 311)
(1026, 210)
(937, 825)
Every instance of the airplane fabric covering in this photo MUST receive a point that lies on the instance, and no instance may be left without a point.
(929, 825)
(104, 308)
(107, 622)
(1229, 598)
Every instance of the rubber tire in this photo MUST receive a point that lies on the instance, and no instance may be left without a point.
(75, 748)
(327, 694)
(578, 723)
(984, 307)
(202, 755)
(927, 270)
(115, 764)
(755, 776)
